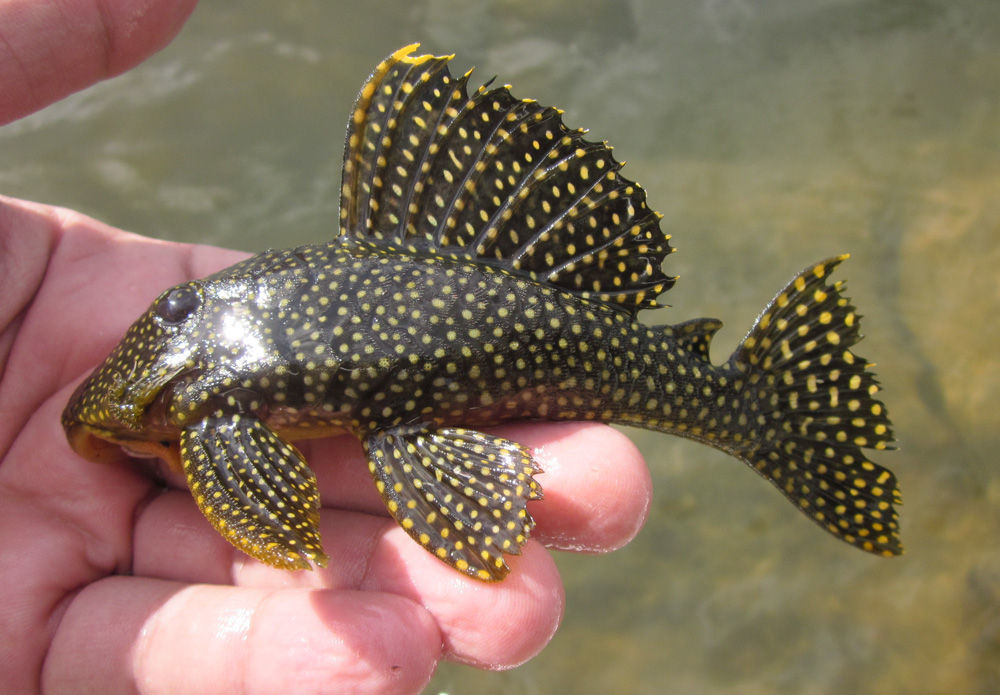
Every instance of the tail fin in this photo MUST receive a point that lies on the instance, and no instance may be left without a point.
(810, 409)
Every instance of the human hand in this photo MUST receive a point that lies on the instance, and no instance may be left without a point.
(113, 580)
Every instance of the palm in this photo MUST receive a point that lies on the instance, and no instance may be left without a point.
(114, 580)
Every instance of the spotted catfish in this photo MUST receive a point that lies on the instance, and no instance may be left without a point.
(489, 267)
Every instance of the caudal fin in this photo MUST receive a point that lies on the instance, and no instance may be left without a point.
(810, 411)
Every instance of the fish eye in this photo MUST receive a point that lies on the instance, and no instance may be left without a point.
(177, 304)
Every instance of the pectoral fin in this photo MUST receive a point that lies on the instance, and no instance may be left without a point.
(461, 494)
(255, 489)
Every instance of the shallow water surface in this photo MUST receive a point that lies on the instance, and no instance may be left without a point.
(771, 135)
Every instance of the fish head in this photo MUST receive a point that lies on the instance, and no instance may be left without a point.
(124, 402)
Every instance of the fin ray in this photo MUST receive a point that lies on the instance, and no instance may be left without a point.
(812, 405)
(498, 179)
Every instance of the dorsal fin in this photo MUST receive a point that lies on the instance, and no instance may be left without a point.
(495, 178)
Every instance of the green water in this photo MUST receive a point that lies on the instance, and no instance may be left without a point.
(771, 135)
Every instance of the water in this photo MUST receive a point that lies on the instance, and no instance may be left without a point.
(771, 135)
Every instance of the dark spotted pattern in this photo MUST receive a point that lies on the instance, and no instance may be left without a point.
(490, 266)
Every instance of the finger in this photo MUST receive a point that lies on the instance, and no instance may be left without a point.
(596, 485)
(597, 494)
(491, 625)
(128, 634)
(172, 540)
(49, 49)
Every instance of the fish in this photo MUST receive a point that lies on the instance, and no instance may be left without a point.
(490, 266)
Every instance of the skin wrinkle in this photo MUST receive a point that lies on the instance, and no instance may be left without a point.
(55, 614)
(141, 651)
(6, 342)
(22, 411)
(107, 36)
(45, 50)
(12, 55)
(249, 640)
(365, 582)
(65, 27)
(54, 254)
(13, 274)
(13, 417)
(95, 545)
(155, 490)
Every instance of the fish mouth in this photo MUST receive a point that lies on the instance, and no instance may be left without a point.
(106, 421)
(93, 443)
(99, 445)
(97, 438)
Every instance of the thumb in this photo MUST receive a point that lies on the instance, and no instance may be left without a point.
(49, 49)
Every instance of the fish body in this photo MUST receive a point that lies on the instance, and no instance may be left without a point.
(490, 267)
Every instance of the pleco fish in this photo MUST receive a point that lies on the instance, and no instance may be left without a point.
(489, 267)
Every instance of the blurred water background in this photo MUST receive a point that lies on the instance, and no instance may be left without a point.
(771, 135)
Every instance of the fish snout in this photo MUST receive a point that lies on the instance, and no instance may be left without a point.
(95, 420)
